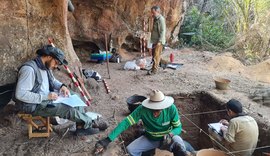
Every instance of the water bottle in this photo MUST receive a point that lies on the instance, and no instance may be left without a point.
(171, 57)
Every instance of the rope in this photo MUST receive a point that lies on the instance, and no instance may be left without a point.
(262, 147)
(228, 152)
(206, 133)
(209, 112)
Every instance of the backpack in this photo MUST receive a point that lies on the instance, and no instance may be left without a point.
(6, 93)
(116, 58)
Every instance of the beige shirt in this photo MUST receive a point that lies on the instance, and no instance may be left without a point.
(242, 134)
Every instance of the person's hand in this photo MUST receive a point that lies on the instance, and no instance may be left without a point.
(102, 144)
(224, 129)
(64, 91)
(167, 139)
(52, 96)
(224, 122)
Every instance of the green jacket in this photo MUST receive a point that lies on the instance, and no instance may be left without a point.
(167, 122)
(158, 33)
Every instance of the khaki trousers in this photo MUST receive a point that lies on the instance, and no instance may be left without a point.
(157, 50)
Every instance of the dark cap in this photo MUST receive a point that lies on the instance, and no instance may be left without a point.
(235, 106)
(54, 52)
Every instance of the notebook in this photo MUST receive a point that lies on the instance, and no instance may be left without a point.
(216, 127)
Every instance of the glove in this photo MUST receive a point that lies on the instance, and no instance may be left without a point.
(167, 139)
(101, 144)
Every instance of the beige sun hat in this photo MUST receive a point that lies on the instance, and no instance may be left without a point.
(158, 101)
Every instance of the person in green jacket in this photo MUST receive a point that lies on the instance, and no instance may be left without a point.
(161, 123)
(158, 39)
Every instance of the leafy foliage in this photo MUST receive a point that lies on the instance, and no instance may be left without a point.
(210, 31)
(238, 25)
(252, 25)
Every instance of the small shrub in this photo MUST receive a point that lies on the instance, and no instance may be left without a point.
(209, 31)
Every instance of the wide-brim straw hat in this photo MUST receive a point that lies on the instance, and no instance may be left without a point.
(158, 101)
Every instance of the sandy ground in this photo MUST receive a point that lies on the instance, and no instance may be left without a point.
(196, 75)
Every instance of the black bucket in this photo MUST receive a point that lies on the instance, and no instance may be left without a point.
(134, 101)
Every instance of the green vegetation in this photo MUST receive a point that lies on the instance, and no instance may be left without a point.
(205, 30)
(238, 25)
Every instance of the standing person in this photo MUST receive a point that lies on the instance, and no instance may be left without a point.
(161, 122)
(158, 39)
(36, 88)
(240, 134)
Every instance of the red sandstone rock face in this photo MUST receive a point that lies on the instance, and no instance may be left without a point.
(25, 27)
(122, 18)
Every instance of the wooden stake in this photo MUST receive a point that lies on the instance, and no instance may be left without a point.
(107, 58)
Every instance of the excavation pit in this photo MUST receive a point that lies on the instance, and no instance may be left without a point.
(196, 112)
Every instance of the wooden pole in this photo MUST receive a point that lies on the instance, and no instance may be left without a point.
(141, 47)
(107, 58)
(144, 40)
(76, 83)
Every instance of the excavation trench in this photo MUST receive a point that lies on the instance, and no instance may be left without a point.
(196, 111)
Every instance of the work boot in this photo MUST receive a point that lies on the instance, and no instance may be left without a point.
(151, 72)
(177, 150)
(163, 65)
(100, 124)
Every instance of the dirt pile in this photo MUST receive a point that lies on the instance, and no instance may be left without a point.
(260, 72)
(226, 63)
